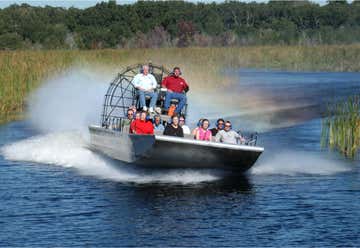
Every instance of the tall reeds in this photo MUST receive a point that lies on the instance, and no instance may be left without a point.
(341, 127)
(23, 71)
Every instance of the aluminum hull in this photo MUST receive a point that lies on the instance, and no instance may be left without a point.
(160, 151)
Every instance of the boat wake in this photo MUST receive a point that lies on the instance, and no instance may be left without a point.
(291, 163)
(69, 149)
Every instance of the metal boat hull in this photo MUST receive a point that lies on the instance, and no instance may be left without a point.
(160, 151)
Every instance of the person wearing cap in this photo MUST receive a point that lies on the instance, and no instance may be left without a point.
(176, 87)
(146, 84)
(227, 135)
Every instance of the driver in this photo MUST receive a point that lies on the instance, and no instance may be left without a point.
(176, 87)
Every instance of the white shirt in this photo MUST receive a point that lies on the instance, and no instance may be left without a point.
(186, 129)
(229, 137)
(147, 82)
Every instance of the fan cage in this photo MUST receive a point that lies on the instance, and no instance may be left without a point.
(122, 94)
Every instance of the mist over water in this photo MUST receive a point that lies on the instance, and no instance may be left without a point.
(64, 106)
(71, 101)
(70, 149)
(292, 163)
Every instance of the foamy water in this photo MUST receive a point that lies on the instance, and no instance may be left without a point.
(292, 163)
(69, 149)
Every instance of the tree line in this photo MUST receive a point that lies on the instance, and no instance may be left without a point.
(178, 23)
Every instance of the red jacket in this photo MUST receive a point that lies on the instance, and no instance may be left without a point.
(141, 127)
(176, 84)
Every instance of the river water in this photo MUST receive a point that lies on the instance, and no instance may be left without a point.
(56, 192)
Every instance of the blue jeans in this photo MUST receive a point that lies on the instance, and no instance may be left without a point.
(173, 95)
(153, 95)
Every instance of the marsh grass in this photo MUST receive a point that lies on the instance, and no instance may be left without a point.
(341, 127)
(23, 71)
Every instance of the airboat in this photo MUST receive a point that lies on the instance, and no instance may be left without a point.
(158, 150)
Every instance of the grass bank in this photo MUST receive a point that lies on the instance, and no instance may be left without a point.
(23, 71)
(341, 127)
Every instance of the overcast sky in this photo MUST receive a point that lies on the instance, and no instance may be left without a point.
(88, 3)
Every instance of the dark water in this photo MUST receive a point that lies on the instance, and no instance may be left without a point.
(55, 192)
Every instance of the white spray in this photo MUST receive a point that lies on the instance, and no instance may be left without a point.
(293, 163)
(62, 109)
(69, 102)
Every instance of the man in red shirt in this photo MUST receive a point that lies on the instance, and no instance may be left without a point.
(142, 126)
(176, 88)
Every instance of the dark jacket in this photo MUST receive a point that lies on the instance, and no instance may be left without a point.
(171, 131)
(214, 131)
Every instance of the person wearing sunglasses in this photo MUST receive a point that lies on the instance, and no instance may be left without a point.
(219, 126)
(227, 135)
(186, 129)
(125, 123)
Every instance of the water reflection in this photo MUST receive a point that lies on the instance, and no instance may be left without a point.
(229, 184)
(175, 213)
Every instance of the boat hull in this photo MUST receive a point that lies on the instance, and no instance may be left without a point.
(158, 151)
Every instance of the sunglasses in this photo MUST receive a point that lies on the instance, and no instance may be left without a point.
(227, 125)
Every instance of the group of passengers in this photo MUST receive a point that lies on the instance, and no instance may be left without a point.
(141, 123)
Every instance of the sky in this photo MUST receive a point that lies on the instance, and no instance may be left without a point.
(89, 3)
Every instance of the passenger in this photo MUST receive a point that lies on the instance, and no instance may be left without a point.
(133, 108)
(193, 133)
(142, 126)
(186, 129)
(173, 129)
(219, 126)
(176, 86)
(125, 124)
(146, 85)
(157, 123)
(137, 115)
(203, 132)
(227, 135)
